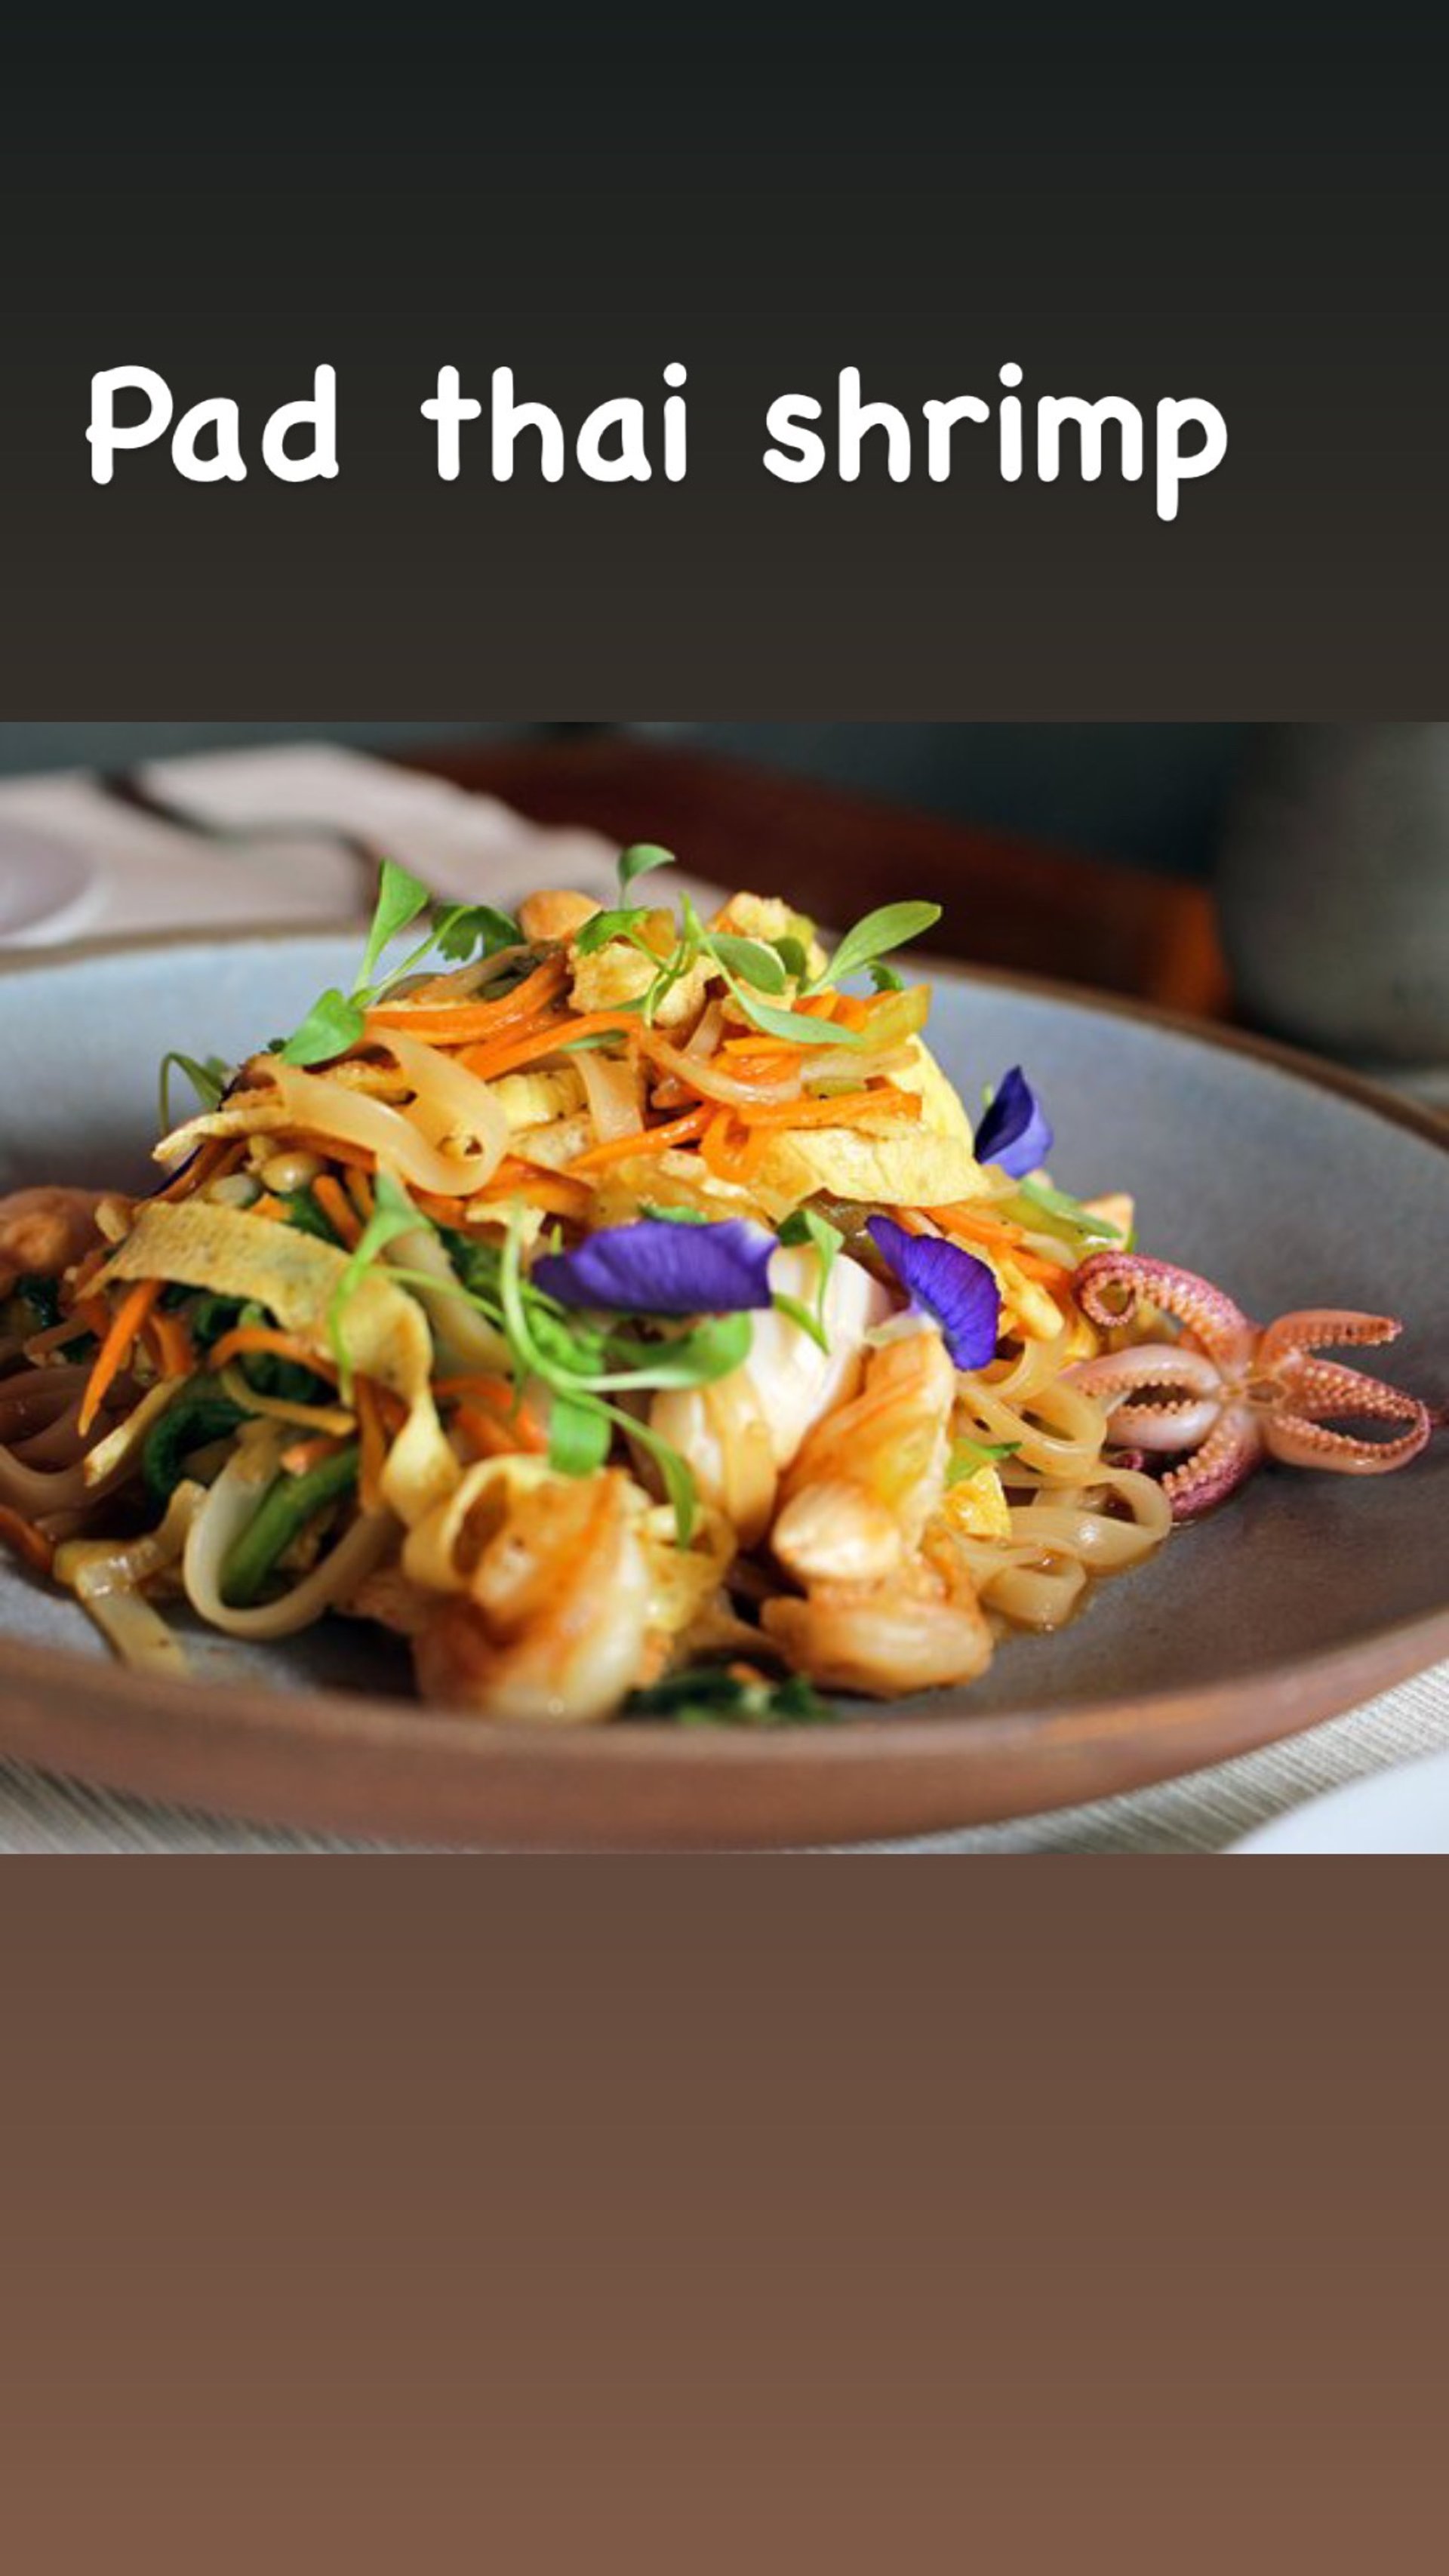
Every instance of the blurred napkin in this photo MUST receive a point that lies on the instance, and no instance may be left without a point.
(139, 873)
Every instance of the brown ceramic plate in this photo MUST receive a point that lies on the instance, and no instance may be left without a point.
(1289, 1182)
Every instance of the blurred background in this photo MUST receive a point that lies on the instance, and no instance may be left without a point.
(1293, 878)
(1152, 795)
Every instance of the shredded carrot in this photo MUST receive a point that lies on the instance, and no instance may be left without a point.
(373, 1439)
(255, 1339)
(338, 1209)
(730, 1151)
(88, 1270)
(30, 1544)
(553, 1192)
(497, 1400)
(117, 1346)
(268, 1206)
(214, 1161)
(1002, 1236)
(848, 1109)
(750, 1043)
(359, 1190)
(669, 1093)
(524, 1046)
(649, 1140)
(328, 1149)
(485, 1437)
(470, 1023)
(170, 1343)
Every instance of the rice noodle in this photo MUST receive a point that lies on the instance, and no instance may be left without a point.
(222, 1517)
(710, 1082)
(614, 1092)
(406, 1142)
(107, 1579)
(1072, 1517)
(323, 1420)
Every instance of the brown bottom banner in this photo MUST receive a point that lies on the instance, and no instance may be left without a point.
(737, 2215)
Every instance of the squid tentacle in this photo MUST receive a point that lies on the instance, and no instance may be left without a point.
(1230, 1393)
(1297, 1441)
(1224, 1331)
(1322, 1389)
(1318, 1328)
(1224, 1462)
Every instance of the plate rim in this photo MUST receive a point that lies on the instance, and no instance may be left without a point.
(167, 1757)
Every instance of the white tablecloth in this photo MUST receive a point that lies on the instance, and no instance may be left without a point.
(151, 876)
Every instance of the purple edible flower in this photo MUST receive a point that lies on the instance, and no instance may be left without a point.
(957, 1291)
(655, 1268)
(1016, 1131)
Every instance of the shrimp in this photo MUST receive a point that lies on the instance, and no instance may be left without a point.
(888, 1607)
(563, 1593)
(43, 1231)
(549, 1593)
(920, 1632)
(869, 1476)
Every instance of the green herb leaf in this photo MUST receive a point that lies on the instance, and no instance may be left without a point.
(400, 900)
(750, 958)
(796, 1025)
(711, 1351)
(333, 1024)
(969, 1456)
(792, 955)
(674, 1215)
(639, 860)
(579, 1436)
(886, 979)
(208, 1080)
(711, 1696)
(891, 927)
(602, 927)
(468, 930)
(200, 1413)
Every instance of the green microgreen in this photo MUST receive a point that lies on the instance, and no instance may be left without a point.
(893, 926)
(207, 1076)
(471, 930)
(640, 859)
(968, 1457)
(337, 1020)
(792, 955)
(807, 1226)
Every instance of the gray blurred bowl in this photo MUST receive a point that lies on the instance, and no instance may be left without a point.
(1334, 889)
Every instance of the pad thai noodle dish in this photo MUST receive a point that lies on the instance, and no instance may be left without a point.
(622, 1308)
